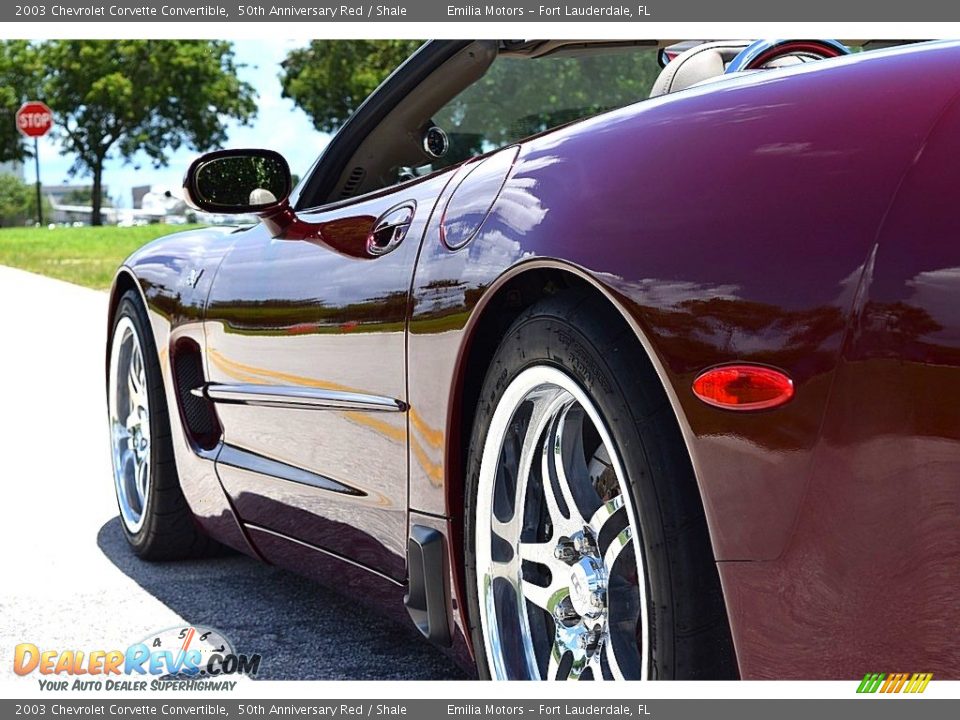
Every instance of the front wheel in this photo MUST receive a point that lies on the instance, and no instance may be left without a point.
(154, 514)
(586, 547)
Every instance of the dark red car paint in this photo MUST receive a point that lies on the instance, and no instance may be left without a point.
(802, 219)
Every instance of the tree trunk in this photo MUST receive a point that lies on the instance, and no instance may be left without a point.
(96, 194)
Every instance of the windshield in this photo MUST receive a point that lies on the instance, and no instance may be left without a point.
(519, 97)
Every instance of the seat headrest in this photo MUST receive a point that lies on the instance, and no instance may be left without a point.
(697, 64)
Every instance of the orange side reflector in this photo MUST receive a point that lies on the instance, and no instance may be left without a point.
(743, 387)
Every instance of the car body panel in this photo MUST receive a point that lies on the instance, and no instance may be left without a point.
(871, 570)
(799, 218)
(322, 329)
(173, 277)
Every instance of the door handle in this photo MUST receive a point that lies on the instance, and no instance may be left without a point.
(390, 228)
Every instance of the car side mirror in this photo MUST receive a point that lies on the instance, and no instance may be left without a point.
(238, 182)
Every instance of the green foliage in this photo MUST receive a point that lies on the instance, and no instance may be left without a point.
(124, 96)
(18, 202)
(330, 78)
(515, 98)
(19, 75)
(15, 200)
(86, 256)
(231, 181)
(519, 97)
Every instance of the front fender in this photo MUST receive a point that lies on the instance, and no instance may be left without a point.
(173, 276)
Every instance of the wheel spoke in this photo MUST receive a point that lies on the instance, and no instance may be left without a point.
(553, 662)
(136, 366)
(510, 529)
(509, 571)
(542, 553)
(553, 478)
(546, 598)
(616, 547)
(565, 644)
(595, 666)
(121, 433)
(125, 454)
(505, 529)
(606, 511)
(561, 440)
(133, 381)
(579, 664)
(560, 523)
(136, 381)
(542, 413)
(142, 475)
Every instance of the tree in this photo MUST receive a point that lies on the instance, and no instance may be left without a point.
(330, 78)
(15, 200)
(18, 202)
(519, 97)
(83, 195)
(19, 74)
(126, 96)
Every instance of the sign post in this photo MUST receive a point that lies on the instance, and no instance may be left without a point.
(34, 120)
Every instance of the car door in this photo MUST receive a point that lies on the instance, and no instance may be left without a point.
(307, 365)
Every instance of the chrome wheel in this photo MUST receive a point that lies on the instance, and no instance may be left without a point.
(129, 409)
(560, 574)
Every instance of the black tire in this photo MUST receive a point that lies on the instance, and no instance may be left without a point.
(169, 530)
(578, 333)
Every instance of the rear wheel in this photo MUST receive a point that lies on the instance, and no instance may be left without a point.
(154, 514)
(587, 551)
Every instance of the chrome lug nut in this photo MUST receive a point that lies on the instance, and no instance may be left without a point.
(590, 639)
(583, 544)
(565, 551)
(598, 598)
(565, 613)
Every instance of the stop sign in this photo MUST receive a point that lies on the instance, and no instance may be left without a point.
(34, 119)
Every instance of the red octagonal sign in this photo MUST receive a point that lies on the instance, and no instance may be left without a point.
(34, 119)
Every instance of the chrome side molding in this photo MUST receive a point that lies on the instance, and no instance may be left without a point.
(241, 459)
(296, 396)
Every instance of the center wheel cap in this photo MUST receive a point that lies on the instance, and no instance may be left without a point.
(588, 587)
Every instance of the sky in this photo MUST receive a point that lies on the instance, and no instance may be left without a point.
(279, 126)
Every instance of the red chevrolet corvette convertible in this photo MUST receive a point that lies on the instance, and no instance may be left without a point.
(594, 360)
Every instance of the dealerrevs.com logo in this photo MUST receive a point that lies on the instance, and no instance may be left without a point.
(895, 683)
(178, 658)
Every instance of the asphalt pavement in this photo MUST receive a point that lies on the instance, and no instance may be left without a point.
(68, 579)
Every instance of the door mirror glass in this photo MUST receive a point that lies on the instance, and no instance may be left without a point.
(238, 181)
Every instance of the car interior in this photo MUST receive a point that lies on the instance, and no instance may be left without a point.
(494, 93)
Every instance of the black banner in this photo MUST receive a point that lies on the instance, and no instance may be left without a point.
(324, 11)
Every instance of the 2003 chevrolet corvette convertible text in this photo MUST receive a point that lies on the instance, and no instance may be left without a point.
(595, 360)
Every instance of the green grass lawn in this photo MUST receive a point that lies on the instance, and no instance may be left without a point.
(86, 256)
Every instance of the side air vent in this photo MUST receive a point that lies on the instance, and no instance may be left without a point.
(198, 415)
(353, 182)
